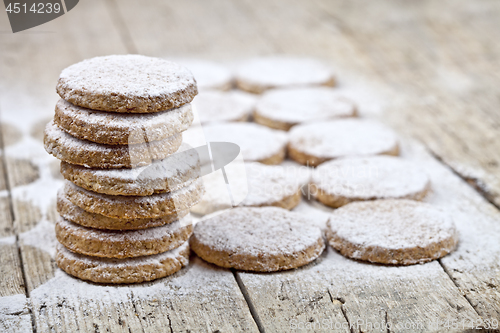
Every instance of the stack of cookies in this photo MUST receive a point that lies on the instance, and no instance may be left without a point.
(129, 180)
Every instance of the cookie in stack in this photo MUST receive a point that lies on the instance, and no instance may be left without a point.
(129, 183)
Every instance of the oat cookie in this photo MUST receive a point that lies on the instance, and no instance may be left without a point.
(218, 106)
(123, 244)
(317, 142)
(259, 74)
(133, 207)
(121, 128)
(73, 213)
(209, 75)
(396, 232)
(167, 175)
(284, 108)
(263, 239)
(127, 83)
(267, 185)
(95, 155)
(257, 143)
(338, 182)
(129, 270)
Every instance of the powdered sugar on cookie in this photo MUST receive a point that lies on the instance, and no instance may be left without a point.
(283, 108)
(127, 83)
(392, 231)
(321, 141)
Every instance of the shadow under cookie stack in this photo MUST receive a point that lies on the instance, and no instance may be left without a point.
(129, 180)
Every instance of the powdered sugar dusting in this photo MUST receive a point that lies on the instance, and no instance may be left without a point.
(263, 185)
(300, 105)
(209, 74)
(256, 142)
(344, 137)
(370, 177)
(217, 106)
(99, 125)
(128, 75)
(281, 71)
(258, 231)
(392, 224)
(155, 259)
(111, 236)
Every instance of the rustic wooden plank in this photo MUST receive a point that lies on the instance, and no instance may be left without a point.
(215, 29)
(200, 298)
(421, 297)
(442, 57)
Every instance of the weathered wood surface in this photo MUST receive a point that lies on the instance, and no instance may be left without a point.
(435, 63)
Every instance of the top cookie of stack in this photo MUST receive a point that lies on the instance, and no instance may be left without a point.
(114, 105)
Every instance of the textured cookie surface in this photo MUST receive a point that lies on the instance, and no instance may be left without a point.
(398, 232)
(209, 75)
(317, 142)
(257, 184)
(123, 244)
(133, 207)
(258, 239)
(95, 155)
(73, 213)
(218, 106)
(127, 83)
(129, 270)
(257, 143)
(259, 74)
(338, 182)
(167, 175)
(121, 129)
(284, 108)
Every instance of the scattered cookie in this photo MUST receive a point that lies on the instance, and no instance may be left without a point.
(209, 75)
(121, 128)
(130, 270)
(267, 185)
(257, 143)
(263, 239)
(167, 175)
(75, 214)
(127, 83)
(284, 108)
(218, 106)
(338, 182)
(95, 155)
(122, 244)
(397, 232)
(133, 207)
(260, 74)
(314, 143)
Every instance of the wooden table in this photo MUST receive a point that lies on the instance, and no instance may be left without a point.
(430, 69)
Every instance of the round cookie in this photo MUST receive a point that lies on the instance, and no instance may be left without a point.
(263, 239)
(130, 270)
(338, 182)
(396, 232)
(257, 143)
(284, 108)
(127, 83)
(209, 75)
(133, 207)
(123, 244)
(259, 185)
(167, 175)
(259, 74)
(121, 129)
(218, 106)
(95, 155)
(75, 214)
(317, 142)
